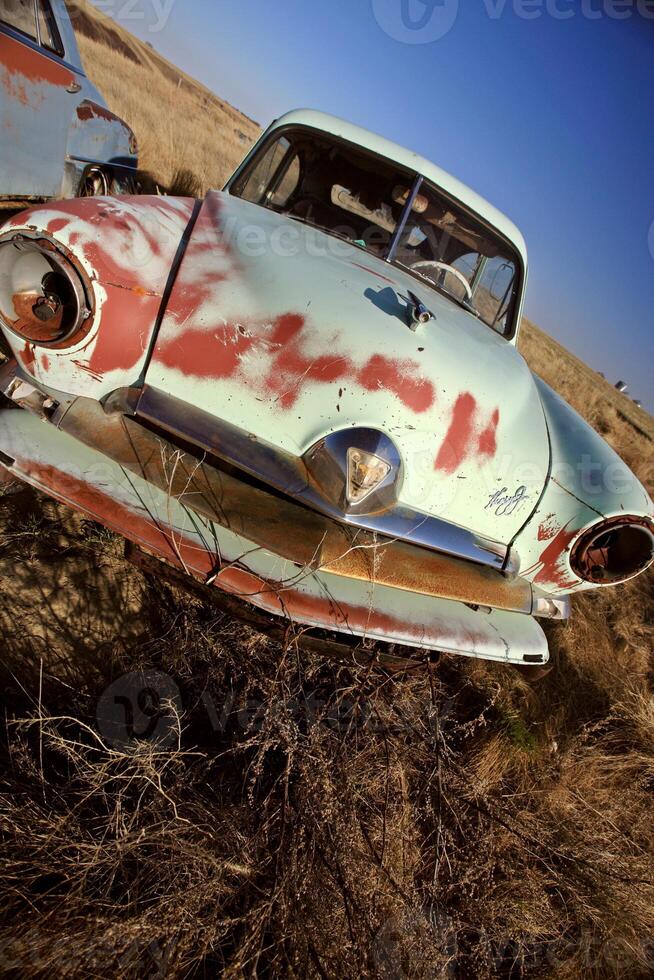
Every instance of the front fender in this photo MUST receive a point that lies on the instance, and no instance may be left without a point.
(97, 136)
(125, 249)
(588, 483)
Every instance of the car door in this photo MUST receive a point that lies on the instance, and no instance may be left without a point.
(39, 94)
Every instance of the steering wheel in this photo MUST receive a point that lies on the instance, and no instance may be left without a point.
(445, 268)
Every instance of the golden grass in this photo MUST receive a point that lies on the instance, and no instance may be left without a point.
(308, 819)
(178, 122)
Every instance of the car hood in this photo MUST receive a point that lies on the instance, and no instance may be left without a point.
(290, 334)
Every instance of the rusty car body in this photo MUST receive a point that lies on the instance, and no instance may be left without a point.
(59, 139)
(305, 391)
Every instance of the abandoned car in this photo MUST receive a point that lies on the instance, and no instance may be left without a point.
(59, 139)
(305, 391)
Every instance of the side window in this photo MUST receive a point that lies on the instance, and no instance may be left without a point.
(48, 33)
(287, 184)
(258, 181)
(493, 293)
(19, 14)
(22, 15)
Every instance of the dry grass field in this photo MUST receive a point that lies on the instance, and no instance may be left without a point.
(306, 818)
(178, 122)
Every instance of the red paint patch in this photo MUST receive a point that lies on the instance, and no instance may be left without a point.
(463, 439)
(19, 60)
(27, 359)
(554, 569)
(487, 445)
(458, 441)
(218, 353)
(548, 528)
(58, 224)
(400, 377)
(91, 110)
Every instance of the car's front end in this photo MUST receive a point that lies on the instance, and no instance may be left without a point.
(329, 421)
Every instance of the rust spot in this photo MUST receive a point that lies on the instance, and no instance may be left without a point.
(91, 110)
(21, 62)
(28, 324)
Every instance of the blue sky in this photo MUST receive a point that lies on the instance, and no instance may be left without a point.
(543, 106)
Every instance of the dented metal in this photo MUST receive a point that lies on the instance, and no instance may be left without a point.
(56, 126)
(209, 406)
(60, 465)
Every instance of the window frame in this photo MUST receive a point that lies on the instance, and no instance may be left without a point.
(35, 40)
(415, 178)
(51, 20)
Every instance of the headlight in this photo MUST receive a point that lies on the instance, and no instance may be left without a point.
(42, 296)
(614, 551)
(357, 470)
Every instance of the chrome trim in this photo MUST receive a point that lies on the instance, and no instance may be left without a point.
(131, 168)
(327, 465)
(288, 474)
(547, 607)
(420, 314)
(417, 184)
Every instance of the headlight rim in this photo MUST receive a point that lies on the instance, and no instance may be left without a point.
(67, 263)
(585, 540)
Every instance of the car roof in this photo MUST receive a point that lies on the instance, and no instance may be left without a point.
(412, 161)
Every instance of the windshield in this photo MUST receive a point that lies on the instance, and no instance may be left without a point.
(391, 213)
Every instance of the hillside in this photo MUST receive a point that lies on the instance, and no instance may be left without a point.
(180, 123)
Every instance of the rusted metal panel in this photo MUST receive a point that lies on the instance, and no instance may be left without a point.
(35, 113)
(277, 330)
(288, 473)
(588, 483)
(85, 479)
(98, 135)
(282, 526)
(125, 247)
(54, 120)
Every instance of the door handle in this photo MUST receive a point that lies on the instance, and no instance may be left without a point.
(74, 88)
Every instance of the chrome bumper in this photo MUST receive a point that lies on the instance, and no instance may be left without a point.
(269, 551)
